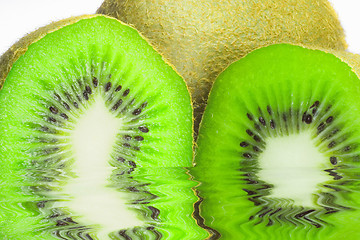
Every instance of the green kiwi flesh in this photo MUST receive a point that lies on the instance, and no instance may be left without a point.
(96, 130)
(278, 150)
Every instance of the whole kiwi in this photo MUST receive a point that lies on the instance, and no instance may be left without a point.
(202, 37)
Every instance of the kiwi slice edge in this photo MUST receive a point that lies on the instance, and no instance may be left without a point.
(178, 156)
(256, 99)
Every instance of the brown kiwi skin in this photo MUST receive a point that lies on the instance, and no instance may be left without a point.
(202, 37)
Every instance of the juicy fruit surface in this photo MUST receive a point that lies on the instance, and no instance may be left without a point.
(278, 148)
(201, 38)
(91, 112)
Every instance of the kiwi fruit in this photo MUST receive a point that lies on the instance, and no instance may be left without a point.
(96, 130)
(202, 37)
(278, 150)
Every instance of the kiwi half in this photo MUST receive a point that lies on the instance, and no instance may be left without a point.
(278, 151)
(96, 130)
(202, 37)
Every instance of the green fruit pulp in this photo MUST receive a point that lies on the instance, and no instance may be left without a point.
(279, 91)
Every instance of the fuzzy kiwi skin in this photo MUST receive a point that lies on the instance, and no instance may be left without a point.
(202, 37)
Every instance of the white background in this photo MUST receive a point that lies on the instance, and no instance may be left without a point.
(18, 17)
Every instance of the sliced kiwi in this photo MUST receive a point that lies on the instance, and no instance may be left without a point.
(202, 37)
(95, 133)
(279, 150)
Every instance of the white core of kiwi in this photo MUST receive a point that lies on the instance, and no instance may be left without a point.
(90, 198)
(294, 166)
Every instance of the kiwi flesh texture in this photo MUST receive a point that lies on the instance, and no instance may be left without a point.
(53, 78)
(202, 37)
(281, 92)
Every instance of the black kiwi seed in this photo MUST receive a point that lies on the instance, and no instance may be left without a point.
(133, 189)
(262, 121)
(321, 127)
(136, 111)
(118, 88)
(308, 119)
(316, 104)
(123, 234)
(272, 124)
(41, 204)
(256, 149)
(143, 129)
(95, 82)
(121, 159)
(302, 214)
(44, 129)
(126, 92)
(347, 148)
(51, 119)
(249, 116)
(314, 111)
(331, 144)
(249, 192)
(139, 138)
(88, 89)
(329, 119)
(244, 144)
(88, 237)
(57, 97)
(333, 160)
(132, 163)
(76, 104)
(269, 110)
(144, 105)
(264, 213)
(68, 96)
(66, 106)
(69, 220)
(64, 116)
(60, 223)
(155, 212)
(127, 137)
(248, 131)
(107, 86)
(54, 110)
(284, 117)
(117, 105)
(257, 138)
(247, 155)
(80, 82)
(333, 132)
(127, 145)
(86, 95)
